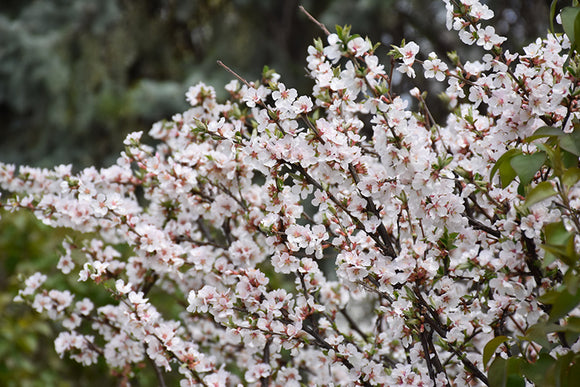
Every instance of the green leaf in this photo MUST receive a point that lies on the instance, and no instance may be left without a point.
(540, 192)
(447, 239)
(538, 333)
(573, 373)
(526, 166)
(573, 324)
(515, 380)
(562, 302)
(497, 374)
(506, 174)
(562, 369)
(503, 160)
(569, 15)
(571, 176)
(536, 372)
(506, 373)
(569, 160)
(557, 251)
(571, 141)
(577, 28)
(545, 131)
(571, 281)
(491, 347)
(566, 250)
(556, 233)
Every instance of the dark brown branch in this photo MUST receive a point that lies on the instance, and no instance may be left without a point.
(352, 324)
(265, 381)
(158, 374)
(476, 224)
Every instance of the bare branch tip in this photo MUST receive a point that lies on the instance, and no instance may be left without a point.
(222, 64)
(313, 19)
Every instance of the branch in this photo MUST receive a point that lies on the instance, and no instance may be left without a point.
(264, 381)
(158, 373)
(219, 62)
(313, 19)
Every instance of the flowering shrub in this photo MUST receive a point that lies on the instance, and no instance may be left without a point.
(340, 237)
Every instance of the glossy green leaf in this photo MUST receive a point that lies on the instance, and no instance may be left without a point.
(571, 281)
(536, 372)
(514, 379)
(556, 233)
(526, 166)
(573, 373)
(540, 192)
(561, 252)
(491, 347)
(571, 176)
(538, 333)
(506, 174)
(577, 29)
(562, 370)
(545, 131)
(573, 324)
(548, 148)
(569, 15)
(569, 160)
(562, 302)
(497, 374)
(571, 142)
(560, 242)
(506, 373)
(505, 158)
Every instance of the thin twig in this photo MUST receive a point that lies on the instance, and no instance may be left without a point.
(313, 19)
(158, 373)
(219, 62)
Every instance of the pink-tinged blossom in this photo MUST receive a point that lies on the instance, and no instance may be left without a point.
(407, 70)
(254, 97)
(32, 283)
(72, 321)
(332, 51)
(302, 105)
(359, 46)
(284, 97)
(137, 298)
(434, 68)
(84, 307)
(65, 264)
(408, 52)
(121, 287)
(468, 35)
(488, 38)
(133, 138)
(256, 372)
(480, 11)
(200, 301)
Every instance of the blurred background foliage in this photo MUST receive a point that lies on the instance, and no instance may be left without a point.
(77, 75)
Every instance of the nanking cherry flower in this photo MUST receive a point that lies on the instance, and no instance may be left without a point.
(408, 52)
(434, 67)
(359, 46)
(488, 38)
(284, 97)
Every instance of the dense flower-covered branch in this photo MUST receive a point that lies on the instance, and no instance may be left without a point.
(344, 237)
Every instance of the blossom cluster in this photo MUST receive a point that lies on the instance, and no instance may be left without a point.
(342, 237)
